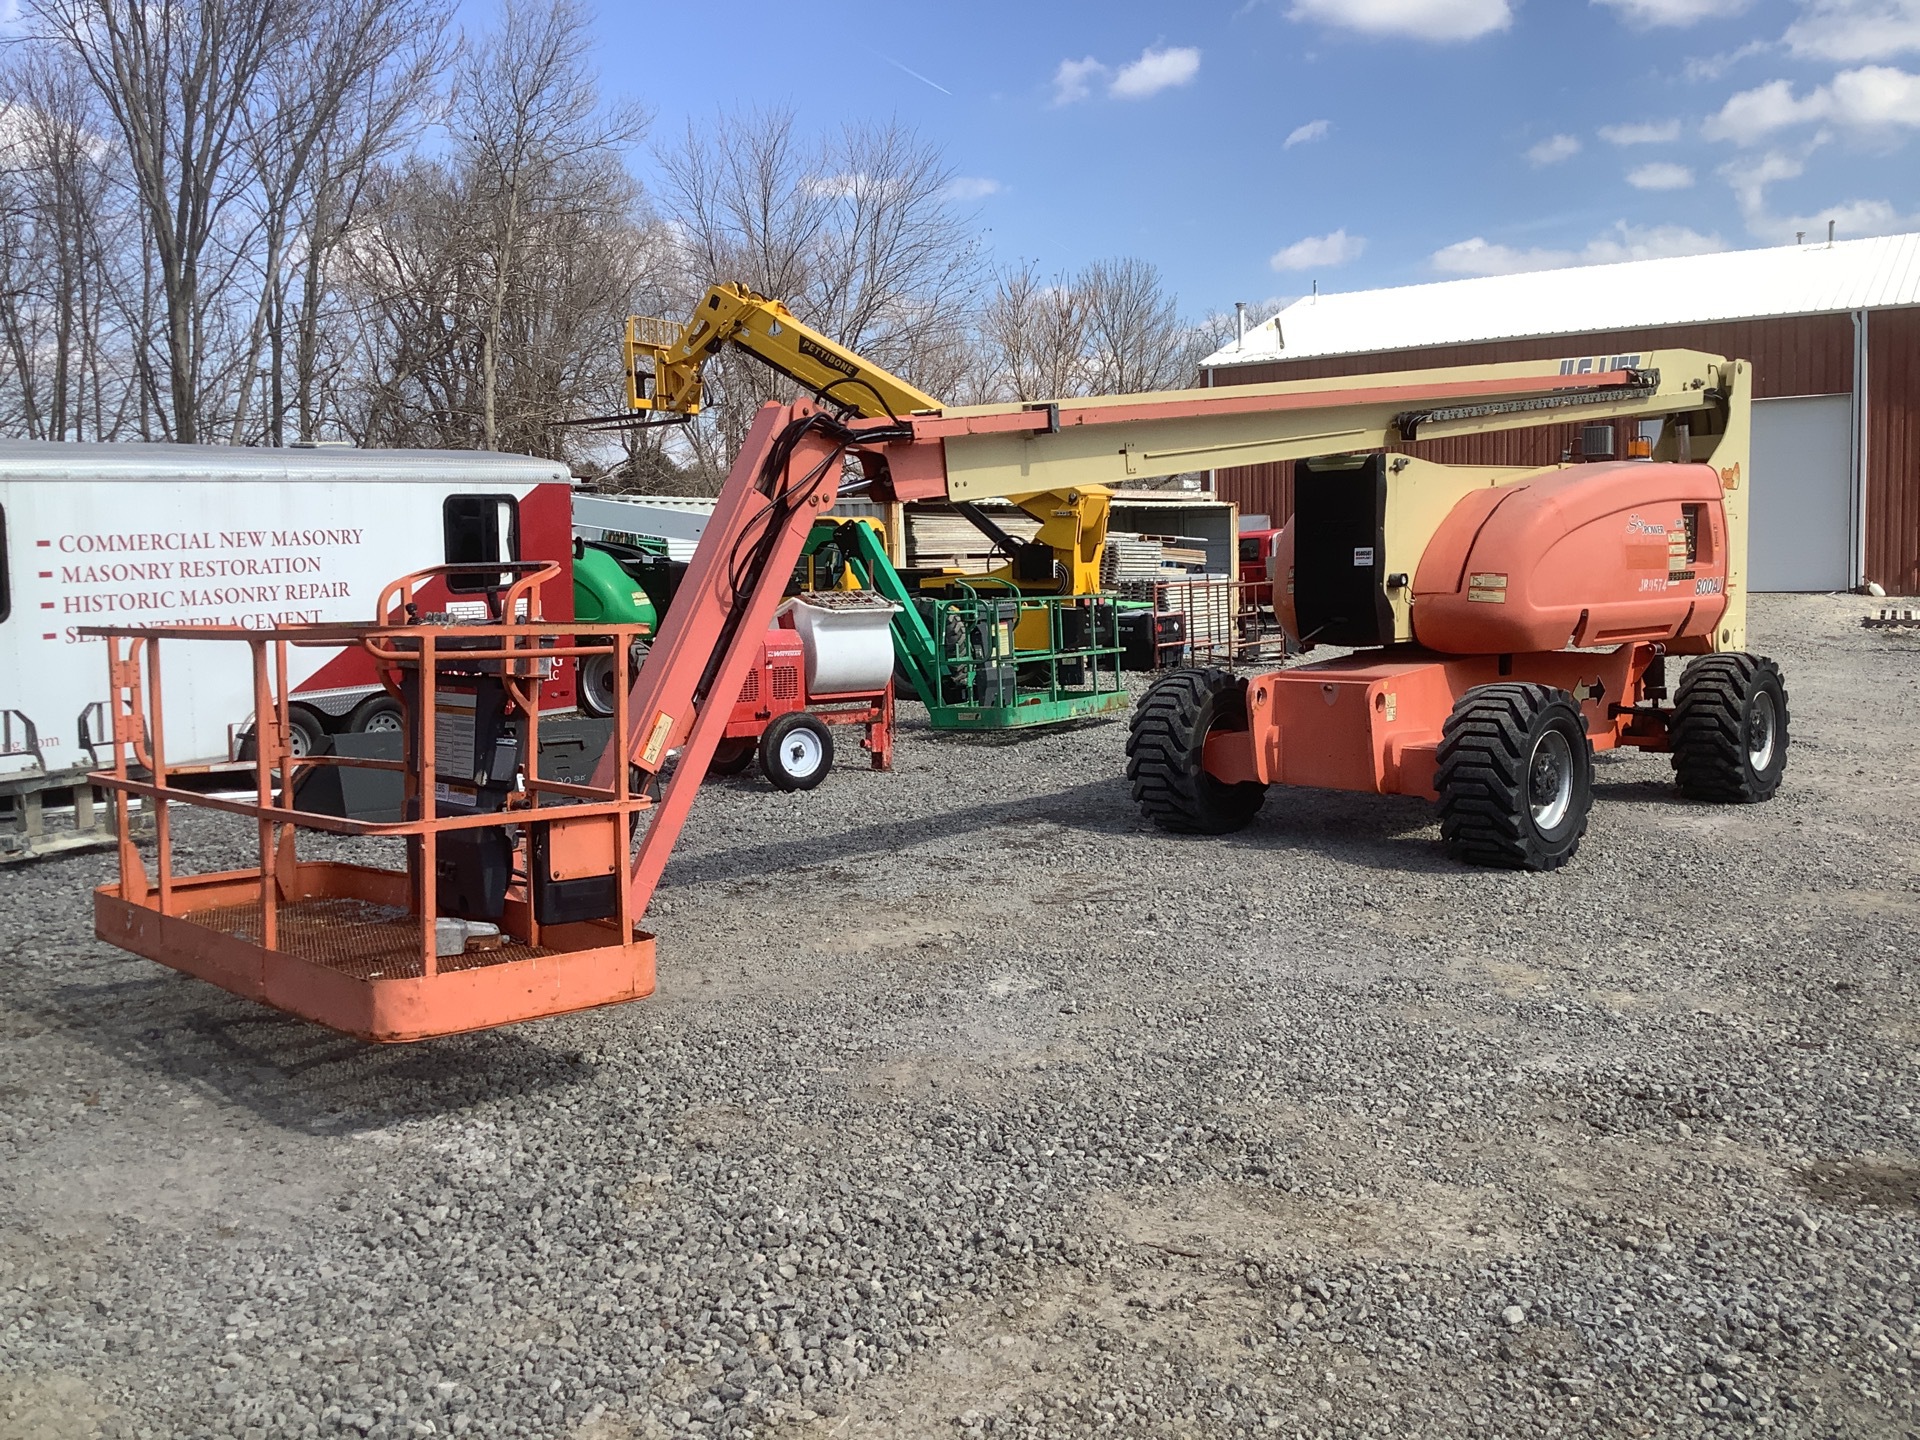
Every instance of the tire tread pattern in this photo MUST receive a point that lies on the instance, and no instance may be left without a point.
(1164, 743)
(1482, 778)
(1708, 729)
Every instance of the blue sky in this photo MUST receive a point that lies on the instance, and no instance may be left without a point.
(1250, 149)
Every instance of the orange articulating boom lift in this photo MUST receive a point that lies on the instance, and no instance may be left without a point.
(1516, 620)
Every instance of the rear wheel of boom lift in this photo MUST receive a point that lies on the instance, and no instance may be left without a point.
(1515, 777)
(1729, 729)
(796, 752)
(733, 757)
(1166, 744)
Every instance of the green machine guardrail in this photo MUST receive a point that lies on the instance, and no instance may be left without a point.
(961, 650)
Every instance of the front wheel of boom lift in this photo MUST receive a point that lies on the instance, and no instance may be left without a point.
(1515, 777)
(796, 752)
(1166, 744)
(1729, 729)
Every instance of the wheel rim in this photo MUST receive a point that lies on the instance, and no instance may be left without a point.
(1762, 728)
(297, 745)
(801, 753)
(596, 678)
(1550, 780)
(383, 722)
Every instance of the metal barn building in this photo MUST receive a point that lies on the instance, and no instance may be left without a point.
(1832, 329)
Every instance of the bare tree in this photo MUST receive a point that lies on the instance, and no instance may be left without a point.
(534, 140)
(59, 240)
(180, 81)
(1033, 339)
(349, 90)
(1135, 338)
(1113, 329)
(491, 282)
(854, 232)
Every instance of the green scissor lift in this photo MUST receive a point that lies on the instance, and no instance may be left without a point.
(962, 649)
(963, 652)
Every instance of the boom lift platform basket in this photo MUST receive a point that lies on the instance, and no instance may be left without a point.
(381, 953)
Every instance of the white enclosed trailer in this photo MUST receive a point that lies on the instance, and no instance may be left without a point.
(142, 534)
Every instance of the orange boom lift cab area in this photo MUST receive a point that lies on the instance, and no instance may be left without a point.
(1503, 625)
(1507, 624)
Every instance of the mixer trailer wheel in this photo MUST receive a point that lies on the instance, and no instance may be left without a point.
(1515, 777)
(1729, 729)
(1166, 741)
(796, 751)
(731, 758)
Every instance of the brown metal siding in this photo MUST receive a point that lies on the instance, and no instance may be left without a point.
(1795, 355)
(1893, 449)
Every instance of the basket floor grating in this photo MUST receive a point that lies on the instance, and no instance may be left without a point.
(354, 937)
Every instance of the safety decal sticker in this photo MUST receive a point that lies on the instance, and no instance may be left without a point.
(1488, 589)
(657, 740)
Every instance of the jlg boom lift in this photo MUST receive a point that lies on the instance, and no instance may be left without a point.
(1512, 621)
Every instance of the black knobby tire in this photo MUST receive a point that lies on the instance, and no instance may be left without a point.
(796, 751)
(731, 758)
(1729, 729)
(1515, 777)
(1165, 745)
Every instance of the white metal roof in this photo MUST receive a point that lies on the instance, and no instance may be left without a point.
(1812, 279)
(77, 461)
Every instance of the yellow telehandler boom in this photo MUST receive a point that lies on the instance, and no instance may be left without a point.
(664, 360)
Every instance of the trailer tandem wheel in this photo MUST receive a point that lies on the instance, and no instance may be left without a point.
(1166, 743)
(1515, 777)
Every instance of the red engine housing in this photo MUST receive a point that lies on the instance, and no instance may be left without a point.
(1598, 554)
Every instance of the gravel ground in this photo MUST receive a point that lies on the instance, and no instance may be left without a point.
(968, 1105)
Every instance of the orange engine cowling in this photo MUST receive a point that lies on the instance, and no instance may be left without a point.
(1597, 554)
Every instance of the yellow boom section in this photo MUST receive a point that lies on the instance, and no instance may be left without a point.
(664, 358)
(663, 374)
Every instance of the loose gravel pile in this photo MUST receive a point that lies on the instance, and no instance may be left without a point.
(970, 1106)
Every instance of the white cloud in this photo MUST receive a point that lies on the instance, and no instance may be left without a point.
(1673, 12)
(1852, 30)
(1660, 175)
(1074, 79)
(1874, 97)
(971, 187)
(1479, 256)
(1853, 220)
(1154, 71)
(1712, 67)
(1750, 177)
(1650, 132)
(1306, 134)
(1755, 113)
(1318, 251)
(1421, 19)
(1554, 149)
